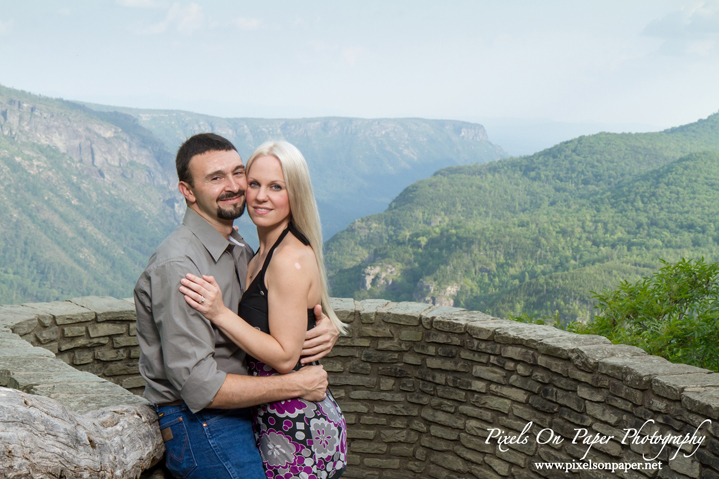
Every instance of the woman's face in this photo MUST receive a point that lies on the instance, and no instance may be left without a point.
(267, 200)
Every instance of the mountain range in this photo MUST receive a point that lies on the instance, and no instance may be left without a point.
(537, 234)
(89, 191)
(357, 165)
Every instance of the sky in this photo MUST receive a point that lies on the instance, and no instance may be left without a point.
(628, 65)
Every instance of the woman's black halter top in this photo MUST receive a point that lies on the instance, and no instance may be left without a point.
(253, 305)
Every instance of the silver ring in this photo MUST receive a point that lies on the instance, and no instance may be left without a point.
(202, 299)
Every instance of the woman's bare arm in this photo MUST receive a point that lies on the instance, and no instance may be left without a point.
(287, 300)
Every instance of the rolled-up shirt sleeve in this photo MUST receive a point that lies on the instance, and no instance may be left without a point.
(187, 338)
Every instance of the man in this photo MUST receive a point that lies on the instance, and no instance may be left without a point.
(195, 375)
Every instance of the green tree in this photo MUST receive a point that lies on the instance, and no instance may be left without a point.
(673, 313)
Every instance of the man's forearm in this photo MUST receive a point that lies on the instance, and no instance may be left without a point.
(244, 391)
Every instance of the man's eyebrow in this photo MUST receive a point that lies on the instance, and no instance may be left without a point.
(215, 173)
(240, 167)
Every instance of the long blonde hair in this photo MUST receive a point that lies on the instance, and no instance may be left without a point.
(303, 207)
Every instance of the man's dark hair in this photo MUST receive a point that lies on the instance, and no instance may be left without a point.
(197, 145)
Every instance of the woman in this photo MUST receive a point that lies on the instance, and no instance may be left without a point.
(285, 279)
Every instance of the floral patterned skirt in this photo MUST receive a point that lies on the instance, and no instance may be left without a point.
(299, 439)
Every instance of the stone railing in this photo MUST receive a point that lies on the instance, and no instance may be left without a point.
(423, 388)
(93, 334)
(427, 391)
(60, 417)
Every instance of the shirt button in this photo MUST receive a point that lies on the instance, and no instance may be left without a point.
(204, 424)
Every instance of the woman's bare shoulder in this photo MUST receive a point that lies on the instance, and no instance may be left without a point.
(292, 254)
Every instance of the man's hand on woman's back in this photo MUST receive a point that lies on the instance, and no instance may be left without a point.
(320, 339)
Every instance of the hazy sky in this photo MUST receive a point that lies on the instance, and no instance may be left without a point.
(653, 62)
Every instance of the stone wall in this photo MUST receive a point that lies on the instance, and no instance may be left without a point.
(423, 387)
(93, 334)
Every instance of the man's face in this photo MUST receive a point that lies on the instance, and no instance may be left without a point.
(219, 184)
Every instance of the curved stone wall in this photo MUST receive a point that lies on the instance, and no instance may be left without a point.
(429, 392)
(424, 388)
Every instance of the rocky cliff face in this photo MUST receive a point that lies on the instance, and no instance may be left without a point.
(88, 137)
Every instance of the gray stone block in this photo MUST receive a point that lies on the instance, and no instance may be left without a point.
(409, 335)
(123, 342)
(369, 307)
(527, 334)
(377, 396)
(73, 331)
(443, 418)
(118, 369)
(136, 382)
(492, 402)
(397, 409)
(47, 335)
(405, 313)
(495, 375)
(604, 413)
(107, 308)
(367, 447)
(672, 386)
(458, 321)
(83, 343)
(639, 372)
(485, 330)
(436, 311)
(587, 358)
(344, 308)
(25, 326)
(520, 353)
(449, 461)
(556, 365)
(13, 314)
(448, 364)
(83, 356)
(106, 329)
(349, 380)
(111, 354)
(561, 346)
(702, 402)
(515, 394)
(63, 312)
(375, 332)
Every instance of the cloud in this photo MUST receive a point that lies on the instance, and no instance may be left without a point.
(184, 19)
(247, 23)
(6, 27)
(693, 31)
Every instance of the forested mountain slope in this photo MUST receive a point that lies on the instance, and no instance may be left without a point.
(536, 234)
(85, 199)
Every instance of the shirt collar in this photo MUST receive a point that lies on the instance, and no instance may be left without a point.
(212, 240)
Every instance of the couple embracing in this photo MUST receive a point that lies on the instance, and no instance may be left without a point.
(220, 328)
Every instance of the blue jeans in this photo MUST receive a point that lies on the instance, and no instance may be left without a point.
(212, 443)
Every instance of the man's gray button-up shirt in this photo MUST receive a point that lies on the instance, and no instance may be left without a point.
(183, 356)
